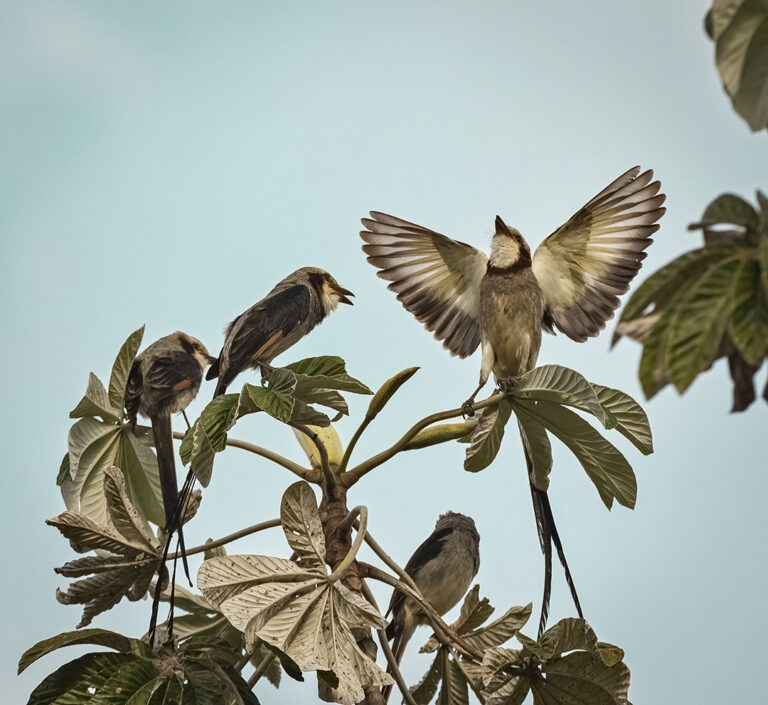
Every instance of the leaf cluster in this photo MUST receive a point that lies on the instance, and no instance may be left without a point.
(100, 440)
(542, 400)
(707, 304)
(592, 672)
(739, 29)
(127, 553)
(199, 672)
(295, 605)
(288, 395)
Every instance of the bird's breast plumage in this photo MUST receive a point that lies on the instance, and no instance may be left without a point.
(512, 314)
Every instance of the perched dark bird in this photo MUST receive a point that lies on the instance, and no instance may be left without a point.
(503, 302)
(442, 568)
(271, 326)
(163, 381)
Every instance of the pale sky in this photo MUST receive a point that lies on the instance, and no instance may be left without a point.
(167, 163)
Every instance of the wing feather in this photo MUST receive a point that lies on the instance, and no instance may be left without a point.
(435, 278)
(586, 264)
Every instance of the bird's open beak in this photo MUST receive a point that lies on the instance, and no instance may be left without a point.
(343, 294)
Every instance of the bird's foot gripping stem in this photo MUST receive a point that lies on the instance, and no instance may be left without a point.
(468, 407)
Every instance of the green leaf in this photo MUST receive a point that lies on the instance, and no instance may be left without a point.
(501, 629)
(277, 398)
(730, 209)
(425, 689)
(605, 465)
(329, 372)
(387, 391)
(474, 612)
(739, 29)
(208, 434)
(495, 660)
(95, 402)
(631, 419)
(609, 654)
(653, 372)
(84, 679)
(748, 325)
(560, 385)
(301, 525)
(581, 677)
(441, 434)
(568, 634)
(454, 690)
(305, 415)
(122, 368)
(762, 254)
(537, 447)
(99, 637)
(93, 448)
(665, 284)
(699, 324)
(486, 439)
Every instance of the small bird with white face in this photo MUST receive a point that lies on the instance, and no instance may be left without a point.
(442, 568)
(503, 302)
(283, 317)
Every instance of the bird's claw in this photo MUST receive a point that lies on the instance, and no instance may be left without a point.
(468, 408)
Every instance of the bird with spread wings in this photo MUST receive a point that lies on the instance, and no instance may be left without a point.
(504, 301)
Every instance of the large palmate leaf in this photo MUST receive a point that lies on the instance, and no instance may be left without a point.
(567, 665)
(295, 606)
(454, 676)
(739, 29)
(132, 553)
(196, 673)
(560, 385)
(608, 469)
(707, 304)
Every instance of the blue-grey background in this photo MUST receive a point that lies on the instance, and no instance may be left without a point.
(166, 163)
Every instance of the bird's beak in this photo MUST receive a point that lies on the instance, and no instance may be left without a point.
(343, 294)
(501, 227)
(212, 359)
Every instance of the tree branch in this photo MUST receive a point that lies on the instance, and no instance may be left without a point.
(353, 442)
(295, 468)
(379, 551)
(388, 655)
(444, 632)
(352, 476)
(207, 546)
(362, 524)
(261, 670)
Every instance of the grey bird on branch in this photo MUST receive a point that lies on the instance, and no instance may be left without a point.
(283, 317)
(442, 568)
(503, 302)
(163, 380)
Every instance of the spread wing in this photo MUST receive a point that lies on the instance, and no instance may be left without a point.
(437, 279)
(422, 555)
(587, 263)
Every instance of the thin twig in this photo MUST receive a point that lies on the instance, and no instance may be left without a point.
(379, 551)
(388, 655)
(243, 662)
(261, 670)
(352, 476)
(353, 442)
(342, 567)
(348, 521)
(295, 468)
(441, 628)
(328, 475)
(206, 546)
